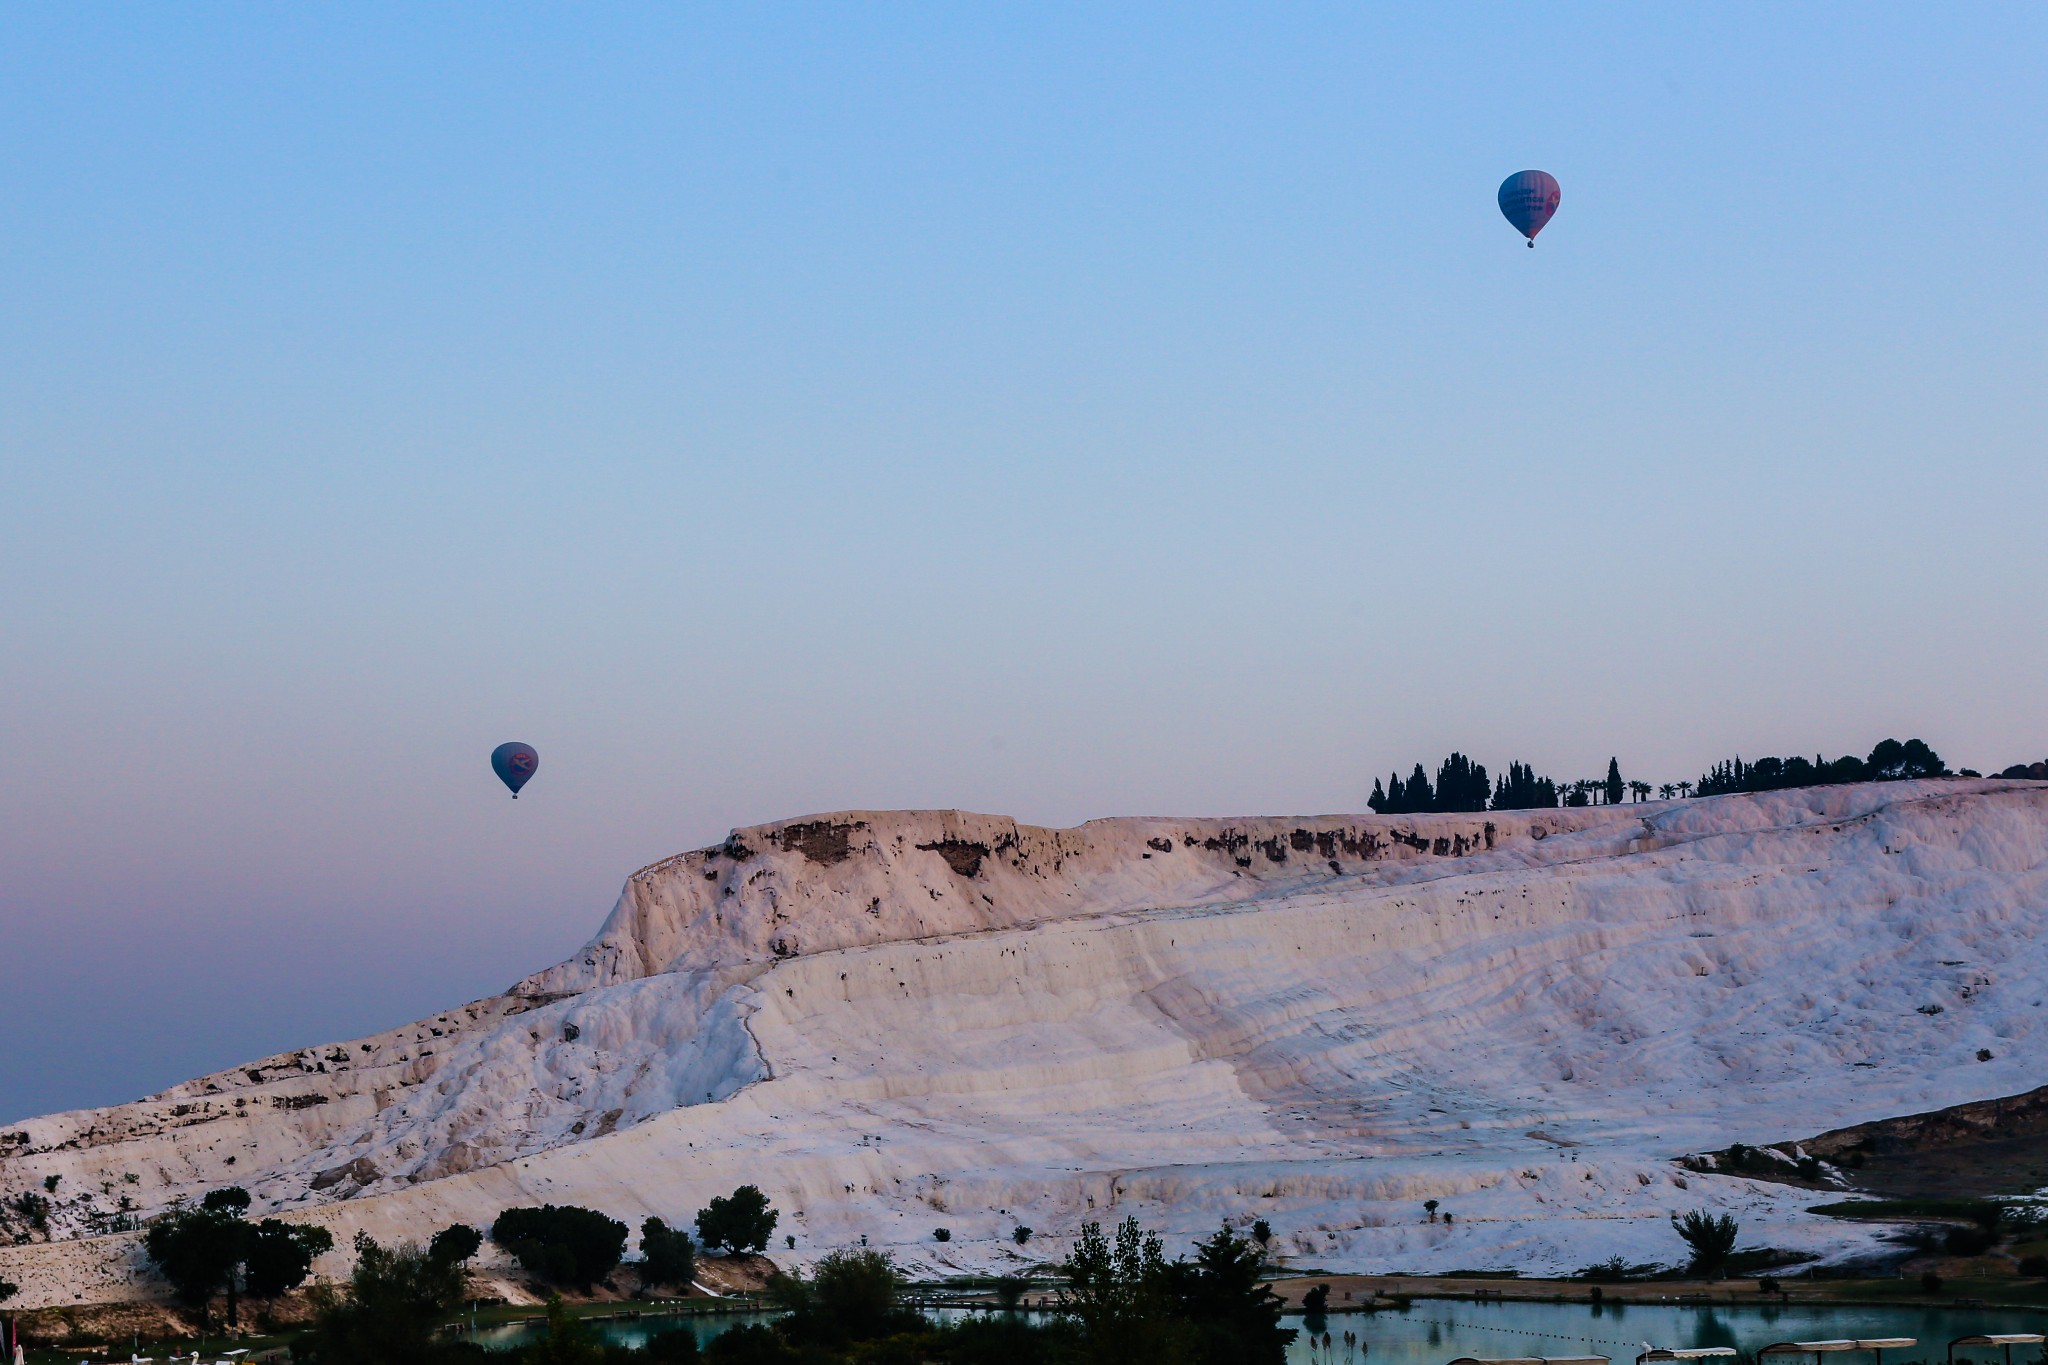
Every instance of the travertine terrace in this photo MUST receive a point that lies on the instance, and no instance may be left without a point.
(900, 1021)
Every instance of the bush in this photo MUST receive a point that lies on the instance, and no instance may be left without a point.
(1970, 1241)
(562, 1244)
(1020, 1234)
(677, 1346)
(741, 1221)
(1710, 1239)
(1316, 1302)
(1931, 1282)
(942, 1234)
(2033, 1267)
(748, 1344)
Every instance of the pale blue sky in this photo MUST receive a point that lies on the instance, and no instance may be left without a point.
(1056, 410)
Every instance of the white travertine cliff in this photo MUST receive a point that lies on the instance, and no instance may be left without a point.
(899, 1021)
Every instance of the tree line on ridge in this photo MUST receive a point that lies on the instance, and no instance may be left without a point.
(1462, 785)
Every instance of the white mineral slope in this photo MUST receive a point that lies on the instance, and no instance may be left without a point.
(900, 1022)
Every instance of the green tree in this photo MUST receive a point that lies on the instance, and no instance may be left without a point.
(562, 1244)
(1461, 785)
(396, 1297)
(1612, 788)
(667, 1255)
(200, 1250)
(1522, 789)
(1119, 1294)
(850, 1296)
(1710, 1239)
(455, 1244)
(278, 1256)
(1236, 1315)
(741, 1221)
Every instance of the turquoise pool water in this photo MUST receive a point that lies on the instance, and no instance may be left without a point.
(1434, 1331)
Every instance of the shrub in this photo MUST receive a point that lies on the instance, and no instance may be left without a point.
(741, 1221)
(2033, 1267)
(1931, 1282)
(677, 1346)
(1020, 1234)
(748, 1344)
(562, 1244)
(1970, 1241)
(1709, 1237)
(1262, 1232)
(942, 1234)
(1317, 1301)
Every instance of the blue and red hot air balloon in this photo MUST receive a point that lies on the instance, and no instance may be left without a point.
(1527, 199)
(514, 764)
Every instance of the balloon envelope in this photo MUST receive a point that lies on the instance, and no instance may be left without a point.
(514, 764)
(1527, 199)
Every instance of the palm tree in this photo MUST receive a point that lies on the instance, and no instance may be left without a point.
(1666, 791)
(1685, 789)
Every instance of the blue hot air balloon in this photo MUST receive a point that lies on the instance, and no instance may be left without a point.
(1527, 199)
(514, 764)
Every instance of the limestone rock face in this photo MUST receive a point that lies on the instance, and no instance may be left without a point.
(900, 1021)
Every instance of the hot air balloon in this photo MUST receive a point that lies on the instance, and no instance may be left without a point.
(1527, 199)
(514, 764)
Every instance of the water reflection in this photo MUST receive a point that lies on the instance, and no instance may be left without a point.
(1432, 1332)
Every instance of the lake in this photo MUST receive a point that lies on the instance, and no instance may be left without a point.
(1434, 1331)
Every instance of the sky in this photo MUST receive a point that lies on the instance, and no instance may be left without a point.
(1054, 410)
